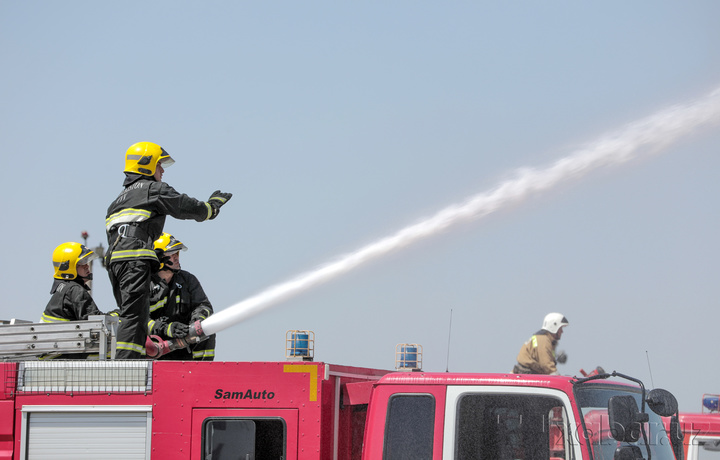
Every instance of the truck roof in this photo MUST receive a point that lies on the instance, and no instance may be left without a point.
(561, 382)
(452, 378)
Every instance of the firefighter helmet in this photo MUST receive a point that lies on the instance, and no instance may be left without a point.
(143, 157)
(67, 257)
(553, 322)
(169, 244)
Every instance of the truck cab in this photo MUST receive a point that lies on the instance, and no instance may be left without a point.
(511, 416)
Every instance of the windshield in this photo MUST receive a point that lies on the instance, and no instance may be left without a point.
(593, 400)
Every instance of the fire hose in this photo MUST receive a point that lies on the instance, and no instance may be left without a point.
(156, 346)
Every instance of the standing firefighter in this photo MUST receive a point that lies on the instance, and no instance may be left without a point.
(537, 355)
(134, 221)
(178, 300)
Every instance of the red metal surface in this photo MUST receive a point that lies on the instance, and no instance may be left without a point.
(7, 417)
(704, 424)
(304, 394)
(357, 393)
(559, 382)
(375, 426)
(268, 387)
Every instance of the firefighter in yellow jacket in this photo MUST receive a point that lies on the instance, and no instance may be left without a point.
(537, 355)
(134, 220)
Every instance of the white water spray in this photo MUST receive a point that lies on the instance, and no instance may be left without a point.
(643, 137)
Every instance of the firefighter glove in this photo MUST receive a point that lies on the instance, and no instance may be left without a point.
(164, 259)
(216, 200)
(177, 330)
(561, 357)
(200, 313)
(158, 326)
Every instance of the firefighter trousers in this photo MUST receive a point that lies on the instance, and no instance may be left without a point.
(131, 287)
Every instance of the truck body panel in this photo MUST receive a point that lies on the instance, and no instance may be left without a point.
(180, 407)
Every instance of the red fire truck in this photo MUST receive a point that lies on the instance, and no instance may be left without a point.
(300, 409)
(701, 431)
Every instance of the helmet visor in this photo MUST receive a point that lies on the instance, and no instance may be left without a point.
(86, 256)
(165, 159)
(174, 245)
(175, 248)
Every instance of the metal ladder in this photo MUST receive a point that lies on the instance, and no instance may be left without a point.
(22, 340)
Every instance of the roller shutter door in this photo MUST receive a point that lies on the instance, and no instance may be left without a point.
(79, 435)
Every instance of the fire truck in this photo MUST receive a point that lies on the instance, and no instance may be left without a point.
(701, 430)
(303, 409)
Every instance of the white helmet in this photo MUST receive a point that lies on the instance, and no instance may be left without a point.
(553, 322)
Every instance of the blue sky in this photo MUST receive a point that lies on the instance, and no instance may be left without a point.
(336, 124)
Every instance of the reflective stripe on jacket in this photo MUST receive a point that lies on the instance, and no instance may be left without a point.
(177, 300)
(538, 353)
(70, 301)
(137, 216)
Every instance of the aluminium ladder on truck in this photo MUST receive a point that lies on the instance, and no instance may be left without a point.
(21, 340)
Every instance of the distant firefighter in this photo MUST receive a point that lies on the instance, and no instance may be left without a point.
(177, 299)
(537, 355)
(71, 299)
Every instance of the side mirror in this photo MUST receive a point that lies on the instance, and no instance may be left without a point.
(628, 453)
(625, 419)
(662, 402)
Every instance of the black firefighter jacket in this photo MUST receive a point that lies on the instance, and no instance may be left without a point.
(175, 301)
(70, 301)
(137, 216)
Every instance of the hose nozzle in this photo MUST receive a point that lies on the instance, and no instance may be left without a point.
(156, 347)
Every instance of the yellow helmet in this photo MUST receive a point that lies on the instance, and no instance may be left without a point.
(143, 157)
(169, 244)
(67, 257)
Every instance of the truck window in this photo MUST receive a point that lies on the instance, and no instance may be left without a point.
(511, 426)
(243, 438)
(709, 448)
(409, 427)
(593, 400)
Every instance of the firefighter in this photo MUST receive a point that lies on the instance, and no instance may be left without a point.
(71, 300)
(178, 299)
(135, 219)
(537, 355)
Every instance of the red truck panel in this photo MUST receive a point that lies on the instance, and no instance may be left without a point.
(7, 417)
(375, 426)
(307, 396)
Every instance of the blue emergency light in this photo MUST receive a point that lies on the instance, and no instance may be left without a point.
(408, 357)
(711, 402)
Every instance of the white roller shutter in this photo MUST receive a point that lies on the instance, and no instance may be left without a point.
(86, 432)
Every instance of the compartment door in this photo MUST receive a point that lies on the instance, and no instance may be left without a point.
(246, 434)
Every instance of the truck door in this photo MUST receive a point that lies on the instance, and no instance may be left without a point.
(506, 423)
(405, 422)
(245, 434)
